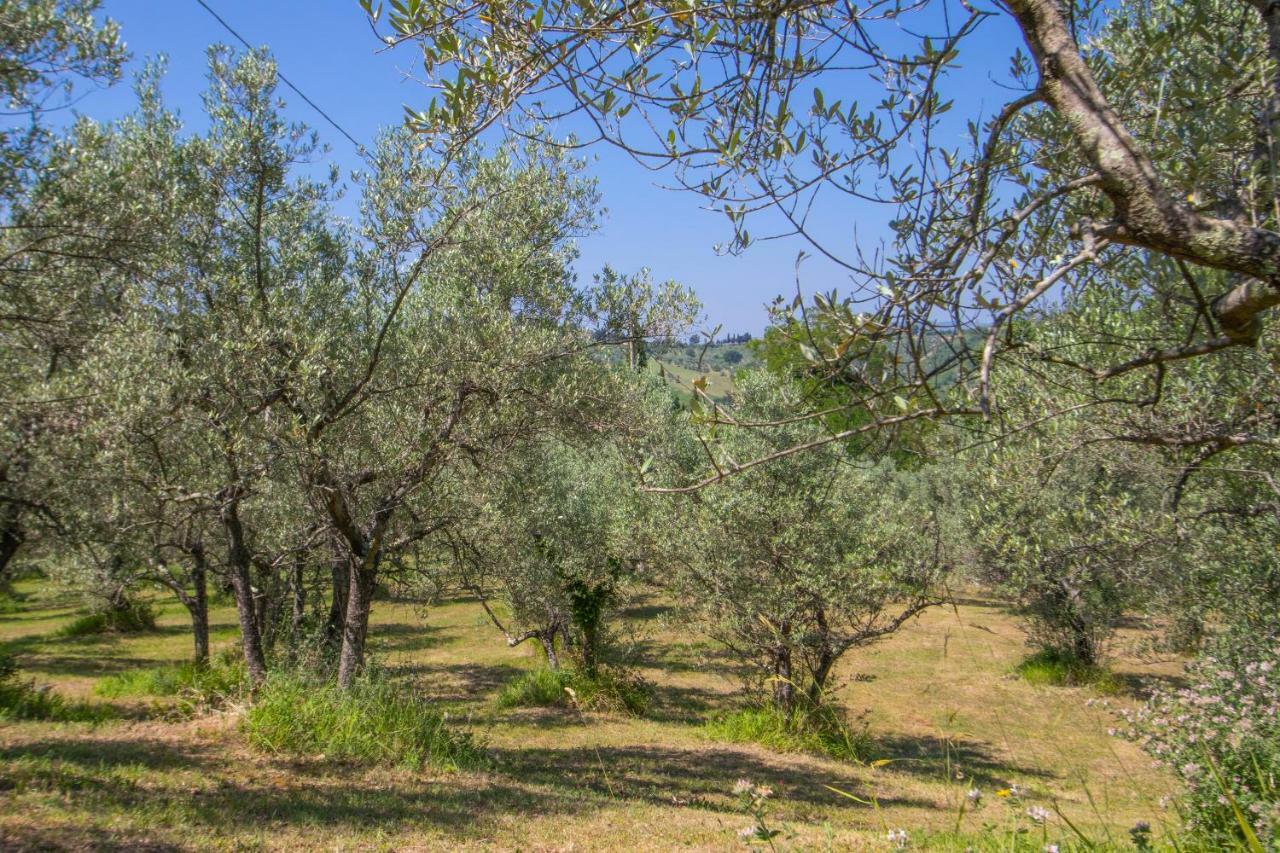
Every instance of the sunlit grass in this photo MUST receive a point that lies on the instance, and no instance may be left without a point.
(821, 731)
(609, 691)
(594, 781)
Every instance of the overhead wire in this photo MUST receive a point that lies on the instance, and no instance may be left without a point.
(360, 149)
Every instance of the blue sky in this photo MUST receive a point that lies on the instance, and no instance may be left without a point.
(326, 48)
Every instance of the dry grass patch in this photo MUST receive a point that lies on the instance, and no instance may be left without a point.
(946, 716)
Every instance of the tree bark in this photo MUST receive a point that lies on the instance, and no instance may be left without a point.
(355, 629)
(11, 540)
(548, 640)
(239, 561)
(1147, 214)
(199, 607)
(337, 605)
(823, 662)
(299, 596)
(784, 698)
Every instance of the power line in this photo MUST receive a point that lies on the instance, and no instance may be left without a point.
(360, 149)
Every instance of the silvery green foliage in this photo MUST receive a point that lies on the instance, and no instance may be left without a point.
(558, 537)
(1077, 539)
(291, 389)
(790, 565)
(47, 48)
(1188, 452)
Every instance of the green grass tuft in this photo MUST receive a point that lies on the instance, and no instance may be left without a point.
(24, 700)
(377, 721)
(825, 730)
(133, 619)
(538, 688)
(610, 691)
(209, 681)
(1049, 668)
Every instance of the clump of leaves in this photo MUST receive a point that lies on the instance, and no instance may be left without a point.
(825, 729)
(375, 721)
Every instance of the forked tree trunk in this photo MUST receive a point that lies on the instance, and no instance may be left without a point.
(548, 640)
(823, 662)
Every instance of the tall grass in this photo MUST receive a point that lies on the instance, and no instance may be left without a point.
(610, 691)
(538, 688)
(377, 721)
(135, 618)
(209, 681)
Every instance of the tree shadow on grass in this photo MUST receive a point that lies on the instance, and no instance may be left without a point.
(221, 794)
(40, 614)
(24, 838)
(64, 761)
(88, 666)
(647, 611)
(665, 776)
(1143, 686)
(99, 776)
(936, 759)
(692, 659)
(459, 682)
(403, 637)
(671, 704)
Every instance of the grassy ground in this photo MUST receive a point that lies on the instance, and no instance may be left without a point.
(945, 715)
(719, 382)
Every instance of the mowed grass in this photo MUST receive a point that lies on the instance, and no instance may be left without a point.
(946, 712)
(719, 381)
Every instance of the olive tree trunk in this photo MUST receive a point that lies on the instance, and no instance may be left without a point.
(239, 565)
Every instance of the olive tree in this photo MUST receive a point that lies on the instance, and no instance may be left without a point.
(1078, 542)
(792, 566)
(559, 537)
(1156, 502)
(54, 243)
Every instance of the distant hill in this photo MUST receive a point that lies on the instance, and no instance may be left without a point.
(717, 362)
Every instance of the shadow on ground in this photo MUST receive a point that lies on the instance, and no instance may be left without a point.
(458, 682)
